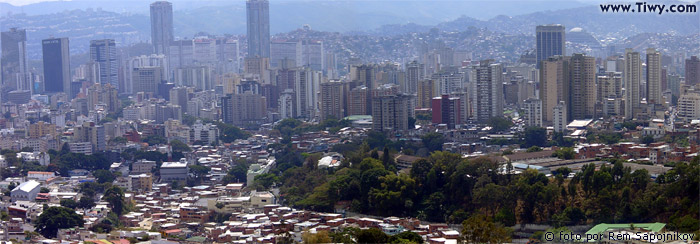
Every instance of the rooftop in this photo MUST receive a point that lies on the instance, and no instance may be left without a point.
(28, 186)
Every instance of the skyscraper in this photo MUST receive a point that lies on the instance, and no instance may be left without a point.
(104, 53)
(332, 100)
(258, 21)
(14, 59)
(146, 79)
(551, 41)
(582, 97)
(632, 75)
(692, 70)
(391, 112)
(56, 57)
(487, 79)
(415, 72)
(610, 93)
(161, 26)
(289, 51)
(654, 92)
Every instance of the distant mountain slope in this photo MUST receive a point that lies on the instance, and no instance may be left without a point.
(591, 19)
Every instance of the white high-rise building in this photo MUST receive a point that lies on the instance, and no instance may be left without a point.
(487, 79)
(560, 118)
(286, 104)
(533, 112)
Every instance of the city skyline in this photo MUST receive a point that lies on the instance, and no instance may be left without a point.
(555, 126)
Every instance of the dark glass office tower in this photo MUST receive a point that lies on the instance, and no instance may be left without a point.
(56, 65)
(104, 53)
(551, 41)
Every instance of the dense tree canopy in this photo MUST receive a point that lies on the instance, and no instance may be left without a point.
(55, 218)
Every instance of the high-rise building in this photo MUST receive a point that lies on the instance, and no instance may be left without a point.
(674, 84)
(553, 85)
(448, 82)
(692, 70)
(654, 92)
(332, 100)
(689, 106)
(286, 104)
(560, 117)
(632, 76)
(365, 75)
(306, 88)
(91, 133)
(161, 26)
(447, 110)
(357, 101)
(551, 41)
(487, 79)
(257, 67)
(104, 53)
(133, 63)
(180, 54)
(582, 97)
(313, 55)
(426, 91)
(199, 77)
(241, 109)
(610, 93)
(178, 96)
(533, 112)
(258, 22)
(146, 79)
(415, 73)
(289, 51)
(105, 95)
(56, 58)
(13, 59)
(227, 51)
(391, 112)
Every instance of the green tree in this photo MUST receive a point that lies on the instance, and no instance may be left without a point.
(179, 146)
(534, 136)
(481, 229)
(433, 141)
(265, 181)
(391, 195)
(104, 176)
(647, 140)
(499, 124)
(86, 202)
(237, 173)
(372, 235)
(314, 238)
(534, 149)
(55, 218)
(155, 140)
(69, 203)
(406, 237)
(229, 133)
(565, 153)
(115, 197)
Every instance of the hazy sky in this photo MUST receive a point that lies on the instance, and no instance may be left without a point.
(25, 2)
